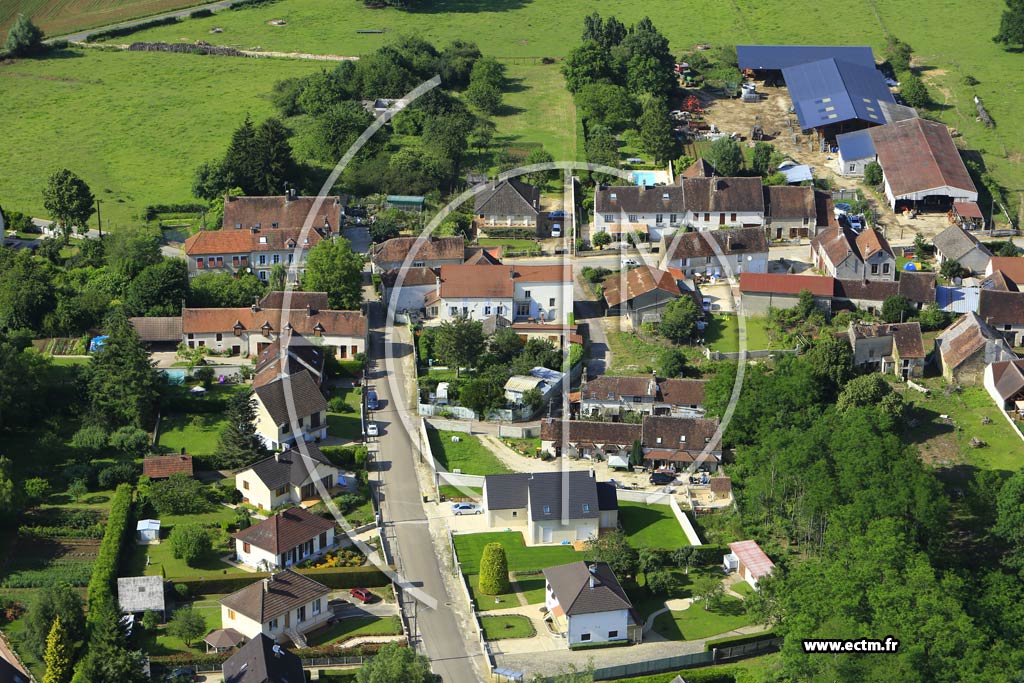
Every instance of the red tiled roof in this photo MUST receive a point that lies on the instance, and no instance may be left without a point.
(967, 210)
(638, 281)
(682, 392)
(753, 558)
(285, 530)
(495, 281)
(305, 322)
(396, 250)
(231, 241)
(779, 283)
(286, 212)
(871, 241)
(163, 466)
(918, 155)
(1011, 266)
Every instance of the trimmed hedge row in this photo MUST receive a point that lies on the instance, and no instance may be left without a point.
(332, 577)
(104, 569)
(153, 210)
(731, 641)
(128, 30)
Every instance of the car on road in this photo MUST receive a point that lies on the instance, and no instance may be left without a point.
(856, 223)
(556, 214)
(556, 230)
(466, 509)
(706, 304)
(662, 478)
(185, 674)
(630, 263)
(372, 429)
(362, 595)
(371, 400)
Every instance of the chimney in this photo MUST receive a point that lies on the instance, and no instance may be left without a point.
(309, 311)
(593, 473)
(591, 582)
(266, 583)
(437, 284)
(277, 456)
(728, 243)
(255, 308)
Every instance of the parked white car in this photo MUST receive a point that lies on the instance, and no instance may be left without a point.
(372, 429)
(466, 509)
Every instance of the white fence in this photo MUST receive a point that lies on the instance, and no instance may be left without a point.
(459, 479)
(664, 499)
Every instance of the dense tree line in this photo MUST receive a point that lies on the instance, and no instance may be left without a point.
(866, 535)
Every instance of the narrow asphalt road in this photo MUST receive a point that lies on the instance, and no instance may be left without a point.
(80, 36)
(442, 637)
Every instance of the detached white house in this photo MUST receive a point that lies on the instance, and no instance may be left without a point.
(273, 419)
(287, 477)
(587, 605)
(284, 539)
(283, 606)
(533, 503)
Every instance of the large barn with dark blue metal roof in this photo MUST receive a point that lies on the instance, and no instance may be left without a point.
(779, 57)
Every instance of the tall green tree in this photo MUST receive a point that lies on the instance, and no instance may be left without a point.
(486, 83)
(896, 309)
(763, 159)
(539, 178)
(614, 548)
(59, 650)
(726, 156)
(129, 252)
(334, 268)
(276, 162)
(239, 444)
(588, 63)
(459, 342)
(1011, 24)
(679, 320)
(69, 201)
(656, 130)
(394, 662)
(25, 39)
(494, 570)
(122, 383)
(26, 291)
(914, 92)
(608, 105)
(335, 130)
(241, 166)
(159, 290)
(187, 624)
(57, 600)
(602, 147)
(190, 542)
(224, 290)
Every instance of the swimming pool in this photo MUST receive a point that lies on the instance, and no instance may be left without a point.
(648, 178)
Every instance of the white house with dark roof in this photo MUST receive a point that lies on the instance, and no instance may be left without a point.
(716, 253)
(612, 396)
(274, 401)
(538, 293)
(283, 606)
(1004, 381)
(287, 477)
(289, 537)
(533, 503)
(587, 605)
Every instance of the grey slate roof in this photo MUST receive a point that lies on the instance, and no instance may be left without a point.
(571, 586)
(258, 662)
(918, 287)
(269, 598)
(550, 488)
(140, 594)
(505, 491)
(288, 467)
(729, 241)
(165, 329)
(954, 243)
(607, 497)
(508, 198)
(639, 199)
(304, 392)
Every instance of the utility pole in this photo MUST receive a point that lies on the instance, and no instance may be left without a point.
(99, 221)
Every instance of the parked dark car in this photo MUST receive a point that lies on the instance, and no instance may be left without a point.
(662, 478)
(362, 595)
(371, 400)
(185, 674)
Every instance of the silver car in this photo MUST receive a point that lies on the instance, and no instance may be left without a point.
(466, 509)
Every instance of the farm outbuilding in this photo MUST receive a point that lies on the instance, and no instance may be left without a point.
(147, 531)
(138, 594)
(856, 150)
(833, 96)
(767, 61)
(921, 165)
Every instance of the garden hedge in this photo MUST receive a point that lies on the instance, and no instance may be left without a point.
(128, 30)
(104, 568)
(332, 577)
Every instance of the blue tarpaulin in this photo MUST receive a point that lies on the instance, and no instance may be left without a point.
(777, 57)
(830, 91)
(96, 343)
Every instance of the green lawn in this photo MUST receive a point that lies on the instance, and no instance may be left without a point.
(177, 431)
(161, 643)
(62, 16)
(696, 622)
(507, 626)
(512, 245)
(743, 588)
(347, 425)
(722, 333)
(162, 560)
(651, 526)
(941, 444)
(344, 629)
(538, 108)
(520, 557)
(532, 587)
(631, 355)
(141, 122)
(450, 492)
(468, 455)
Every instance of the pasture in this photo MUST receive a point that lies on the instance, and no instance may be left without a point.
(57, 17)
(134, 125)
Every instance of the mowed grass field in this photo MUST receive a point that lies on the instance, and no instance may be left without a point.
(137, 124)
(134, 125)
(57, 17)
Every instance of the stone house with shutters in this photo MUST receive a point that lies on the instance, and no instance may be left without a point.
(716, 253)
(507, 204)
(967, 347)
(845, 255)
(612, 396)
(889, 348)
